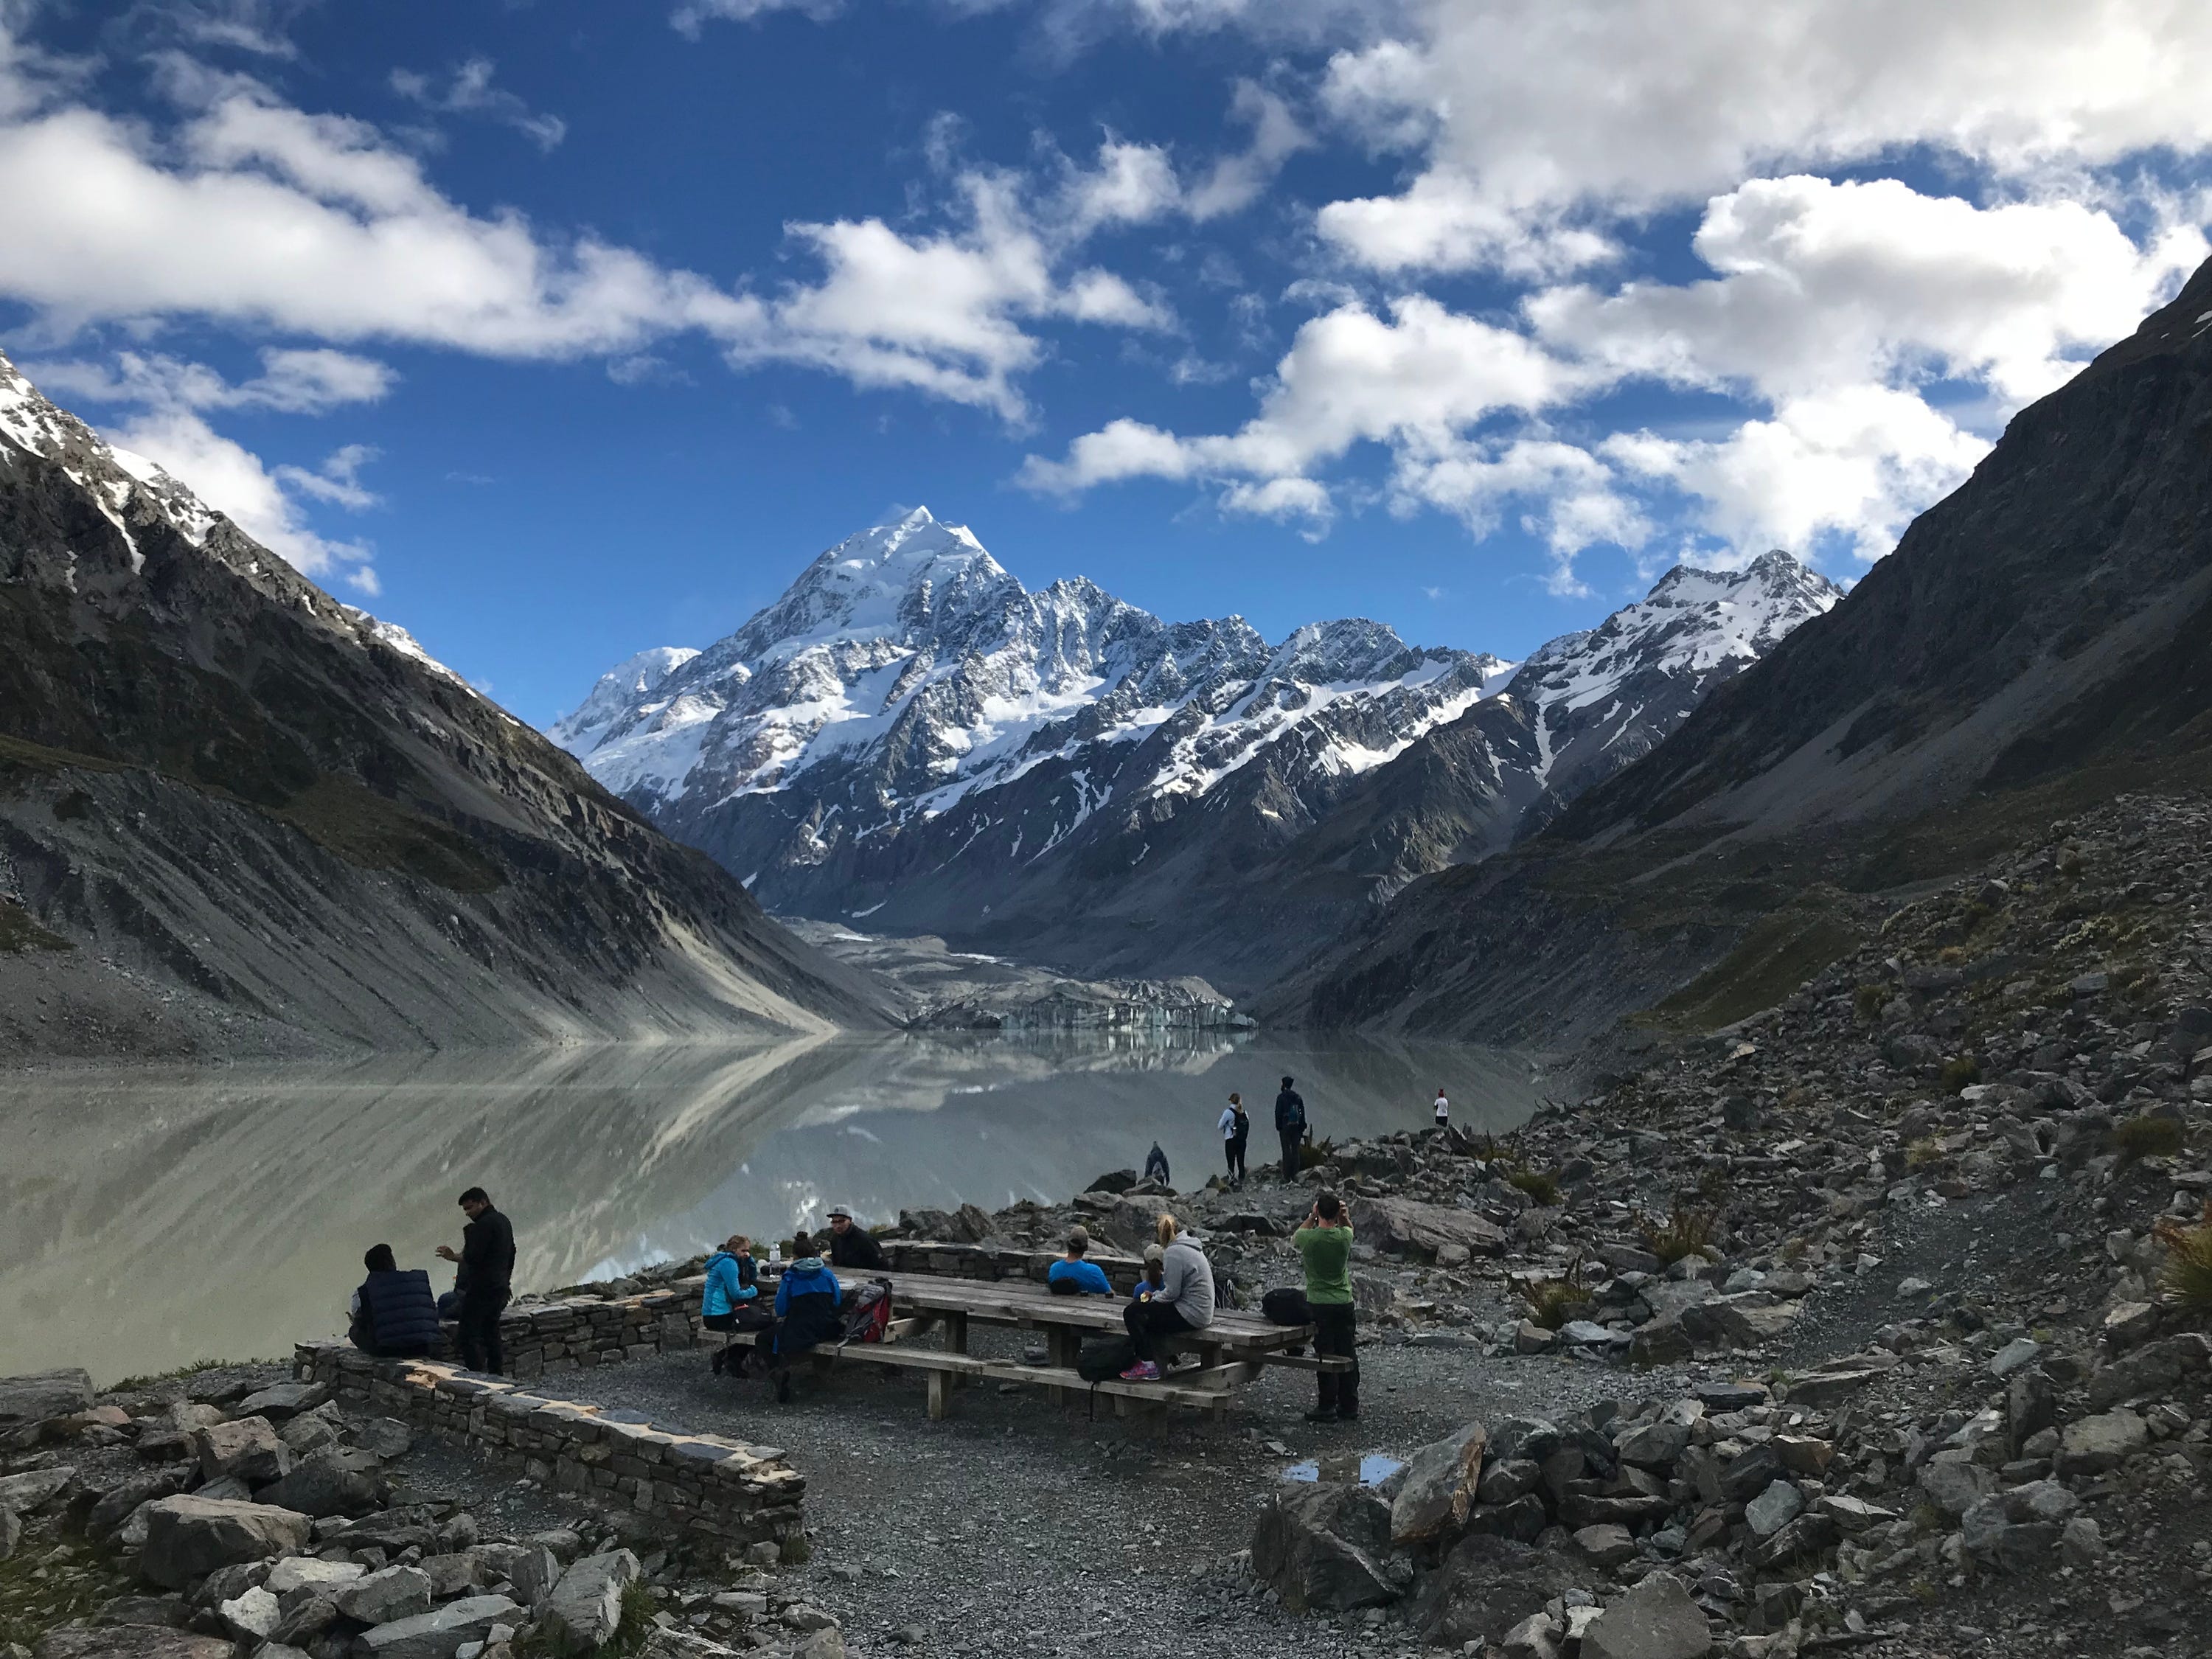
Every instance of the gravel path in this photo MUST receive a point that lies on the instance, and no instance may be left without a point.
(1013, 1528)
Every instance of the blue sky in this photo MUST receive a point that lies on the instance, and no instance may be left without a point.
(553, 331)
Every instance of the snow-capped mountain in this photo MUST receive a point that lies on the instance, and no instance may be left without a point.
(910, 736)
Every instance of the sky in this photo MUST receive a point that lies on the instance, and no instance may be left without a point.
(553, 330)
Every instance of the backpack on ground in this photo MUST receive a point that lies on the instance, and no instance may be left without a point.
(1286, 1307)
(868, 1313)
(1102, 1358)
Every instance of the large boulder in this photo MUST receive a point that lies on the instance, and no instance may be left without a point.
(117, 1504)
(26, 1491)
(245, 1449)
(297, 1573)
(331, 1480)
(439, 1633)
(1655, 1620)
(586, 1606)
(129, 1642)
(26, 1401)
(282, 1400)
(1954, 1487)
(1438, 1489)
(1412, 1228)
(188, 1537)
(2091, 1445)
(1319, 1548)
(2016, 1530)
(1487, 1585)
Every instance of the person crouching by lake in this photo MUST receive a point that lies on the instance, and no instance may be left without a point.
(730, 1301)
(1184, 1301)
(393, 1315)
(1323, 1241)
(807, 1310)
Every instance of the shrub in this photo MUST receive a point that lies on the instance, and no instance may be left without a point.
(1867, 1002)
(1923, 1153)
(1553, 1302)
(2187, 1276)
(1685, 1232)
(1315, 1152)
(1959, 1072)
(1543, 1185)
(2148, 1136)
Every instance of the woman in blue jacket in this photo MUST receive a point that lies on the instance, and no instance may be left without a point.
(807, 1310)
(730, 1301)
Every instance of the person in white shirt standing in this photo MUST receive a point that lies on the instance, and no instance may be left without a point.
(1235, 1128)
(1443, 1108)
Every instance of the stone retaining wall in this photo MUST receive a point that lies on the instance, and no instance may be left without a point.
(924, 1255)
(700, 1483)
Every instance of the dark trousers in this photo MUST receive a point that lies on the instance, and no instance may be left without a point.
(1146, 1320)
(1292, 1139)
(1235, 1151)
(1336, 1332)
(479, 1330)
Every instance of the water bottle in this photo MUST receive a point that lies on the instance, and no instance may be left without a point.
(775, 1254)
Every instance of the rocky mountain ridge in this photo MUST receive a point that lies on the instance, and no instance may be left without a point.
(236, 814)
(910, 737)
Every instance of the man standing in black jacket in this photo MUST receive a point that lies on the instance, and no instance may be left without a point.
(1291, 1128)
(487, 1279)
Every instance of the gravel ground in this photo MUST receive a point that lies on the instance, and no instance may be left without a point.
(1015, 1528)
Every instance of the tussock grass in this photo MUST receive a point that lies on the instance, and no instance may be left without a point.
(1961, 1072)
(1543, 1185)
(1685, 1232)
(2187, 1276)
(2145, 1137)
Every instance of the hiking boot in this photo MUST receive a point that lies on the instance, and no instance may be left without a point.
(1348, 1415)
(715, 1365)
(1321, 1414)
(783, 1387)
(1142, 1371)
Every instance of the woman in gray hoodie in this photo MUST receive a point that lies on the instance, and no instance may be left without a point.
(1184, 1301)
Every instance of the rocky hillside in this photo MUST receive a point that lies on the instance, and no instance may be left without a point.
(2034, 644)
(236, 815)
(910, 737)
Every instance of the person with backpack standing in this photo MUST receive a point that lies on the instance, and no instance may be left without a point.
(1324, 1241)
(1290, 1126)
(1235, 1128)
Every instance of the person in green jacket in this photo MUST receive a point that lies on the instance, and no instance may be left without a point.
(1324, 1244)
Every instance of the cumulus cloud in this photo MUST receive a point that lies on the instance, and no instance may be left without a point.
(693, 16)
(1526, 113)
(468, 91)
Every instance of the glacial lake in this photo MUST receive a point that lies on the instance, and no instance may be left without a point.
(150, 1216)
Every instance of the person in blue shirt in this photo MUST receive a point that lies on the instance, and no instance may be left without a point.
(808, 1309)
(730, 1301)
(1073, 1276)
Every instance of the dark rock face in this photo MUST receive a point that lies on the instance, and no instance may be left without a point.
(1486, 1585)
(2051, 615)
(278, 811)
(1320, 1547)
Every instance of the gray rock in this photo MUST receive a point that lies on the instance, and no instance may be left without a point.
(1523, 1520)
(450, 1574)
(1853, 1515)
(118, 1502)
(245, 1449)
(308, 1431)
(331, 1480)
(2030, 1406)
(1656, 1620)
(25, 1492)
(533, 1574)
(384, 1597)
(229, 1487)
(170, 1610)
(1438, 1488)
(189, 1537)
(1805, 1536)
(1606, 1545)
(1774, 1508)
(282, 1400)
(2016, 1531)
(2079, 1542)
(1506, 1479)
(1487, 1586)
(1749, 1473)
(2016, 1355)
(1822, 1388)
(1956, 1487)
(1536, 1637)
(2092, 1446)
(301, 1572)
(1319, 1548)
(26, 1401)
(1653, 1445)
(585, 1604)
(11, 1532)
(388, 1437)
(129, 1642)
(250, 1617)
(438, 1634)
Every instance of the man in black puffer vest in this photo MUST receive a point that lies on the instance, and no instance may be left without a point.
(394, 1316)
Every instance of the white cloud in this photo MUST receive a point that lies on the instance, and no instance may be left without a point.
(1529, 112)
(228, 477)
(469, 91)
(293, 381)
(1235, 181)
(690, 16)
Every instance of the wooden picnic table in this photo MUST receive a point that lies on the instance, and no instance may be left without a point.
(1232, 1350)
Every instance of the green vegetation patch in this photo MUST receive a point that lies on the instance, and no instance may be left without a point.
(1771, 960)
(19, 934)
(51, 1580)
(366, 830)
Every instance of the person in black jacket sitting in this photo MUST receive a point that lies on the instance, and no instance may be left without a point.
(485, 1281)
(852, 1245)
(393, 1315)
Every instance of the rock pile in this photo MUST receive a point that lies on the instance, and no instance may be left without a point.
(254, 1519)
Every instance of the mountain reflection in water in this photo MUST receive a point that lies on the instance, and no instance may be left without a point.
(152, 1216)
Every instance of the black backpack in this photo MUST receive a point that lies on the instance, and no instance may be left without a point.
(1102, 1358)
(1286, 1307)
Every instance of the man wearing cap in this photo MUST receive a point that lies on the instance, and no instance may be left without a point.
(851, 1246)
(1073, 1276)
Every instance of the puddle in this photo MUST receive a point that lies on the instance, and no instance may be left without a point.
(1372, 1470)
